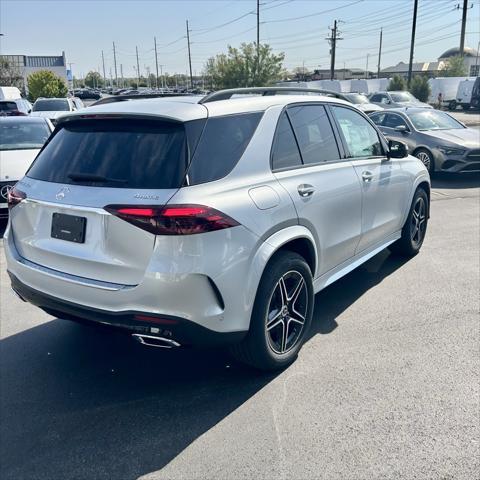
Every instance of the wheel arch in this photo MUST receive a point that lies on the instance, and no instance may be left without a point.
(296, 238)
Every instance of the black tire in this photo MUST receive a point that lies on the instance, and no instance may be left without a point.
(426, 157)
(415, 228)
(262, 348)
(452, 105)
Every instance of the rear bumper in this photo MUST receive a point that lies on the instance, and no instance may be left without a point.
(188, 292)
(178, 329)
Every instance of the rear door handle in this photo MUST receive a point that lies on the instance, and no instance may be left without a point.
(305, 190)
(367, 176)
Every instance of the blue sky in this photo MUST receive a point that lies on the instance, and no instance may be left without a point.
(296, 27)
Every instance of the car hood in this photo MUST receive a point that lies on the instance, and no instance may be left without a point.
(48, 114)
(465, 137)
(14, 163)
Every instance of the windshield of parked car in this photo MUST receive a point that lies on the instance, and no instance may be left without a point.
(403, 97)
(433, 120)
(21, 135)
(357, 98)
(51, 105)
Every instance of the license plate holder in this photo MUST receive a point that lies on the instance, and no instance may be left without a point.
(68, 227)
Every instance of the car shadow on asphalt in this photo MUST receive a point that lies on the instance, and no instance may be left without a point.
(3, 226)
(453, 181)
(81, 402)
(336, 298)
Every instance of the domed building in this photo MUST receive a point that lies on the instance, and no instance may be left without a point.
(434, 69)
(455, 51)
(470, 59)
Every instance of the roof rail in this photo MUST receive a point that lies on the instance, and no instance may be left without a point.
(138, 96)
(265, 91)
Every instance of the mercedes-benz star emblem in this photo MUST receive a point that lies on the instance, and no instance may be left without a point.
(61, 193)
(4, 191)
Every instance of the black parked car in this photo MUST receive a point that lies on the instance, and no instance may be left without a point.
(86, 94)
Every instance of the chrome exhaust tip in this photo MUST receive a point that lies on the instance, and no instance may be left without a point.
(152, 341)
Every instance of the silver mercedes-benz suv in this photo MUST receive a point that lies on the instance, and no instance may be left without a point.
(205, 221)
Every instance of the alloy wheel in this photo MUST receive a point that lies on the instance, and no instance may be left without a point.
(424, 157)
(287, 312)
(418, 223)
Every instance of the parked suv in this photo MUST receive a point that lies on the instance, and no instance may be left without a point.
(210, 220)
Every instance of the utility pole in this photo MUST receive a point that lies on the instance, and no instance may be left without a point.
(412, 42)
(104, 77)
(257, 63)
(138, 70)
(71, 73)
(333, 39)
(156, 62)
(189, 57)
(464, 24)
(115, 64)
(121, 75)
(379, 53)
(366, 68)
(162, 78)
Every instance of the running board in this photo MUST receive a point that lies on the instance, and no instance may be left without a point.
(332, 276)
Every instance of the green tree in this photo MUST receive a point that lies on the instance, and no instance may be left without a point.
(455, 67)
(397, 83)
(45, 83)
(240, 67)
(420, 88)
(9, 74)
(93, 80)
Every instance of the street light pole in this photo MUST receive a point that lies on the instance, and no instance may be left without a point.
(156, 62)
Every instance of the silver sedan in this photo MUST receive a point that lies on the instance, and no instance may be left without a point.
(436, 138)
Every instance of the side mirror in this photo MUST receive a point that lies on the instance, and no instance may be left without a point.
(397, 149)
(401, 129)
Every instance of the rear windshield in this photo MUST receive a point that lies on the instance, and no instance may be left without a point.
(115, 153)
(403, 97)
(7, 106)
(54, 105)
(22, 135)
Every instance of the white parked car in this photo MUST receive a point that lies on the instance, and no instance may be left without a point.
(52, 108)
(210, 221)
(362, 102)
(20, 141)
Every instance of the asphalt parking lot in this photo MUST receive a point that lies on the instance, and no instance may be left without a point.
(387, 387)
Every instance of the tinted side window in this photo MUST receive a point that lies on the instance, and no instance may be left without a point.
(221, 145)
(376, 98)
(361, 138)
(392, 121)
(314, 133)
(377, 119)
(285, 152)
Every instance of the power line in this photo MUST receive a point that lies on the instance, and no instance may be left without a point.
(291, 19)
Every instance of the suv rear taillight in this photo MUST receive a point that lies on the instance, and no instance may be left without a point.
(173, 219)
(14, 197)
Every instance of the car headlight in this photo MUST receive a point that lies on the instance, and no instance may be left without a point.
(451, 150)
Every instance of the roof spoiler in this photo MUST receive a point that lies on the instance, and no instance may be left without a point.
(124, 98)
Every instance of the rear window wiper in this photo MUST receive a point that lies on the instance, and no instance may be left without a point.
(89, 177)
